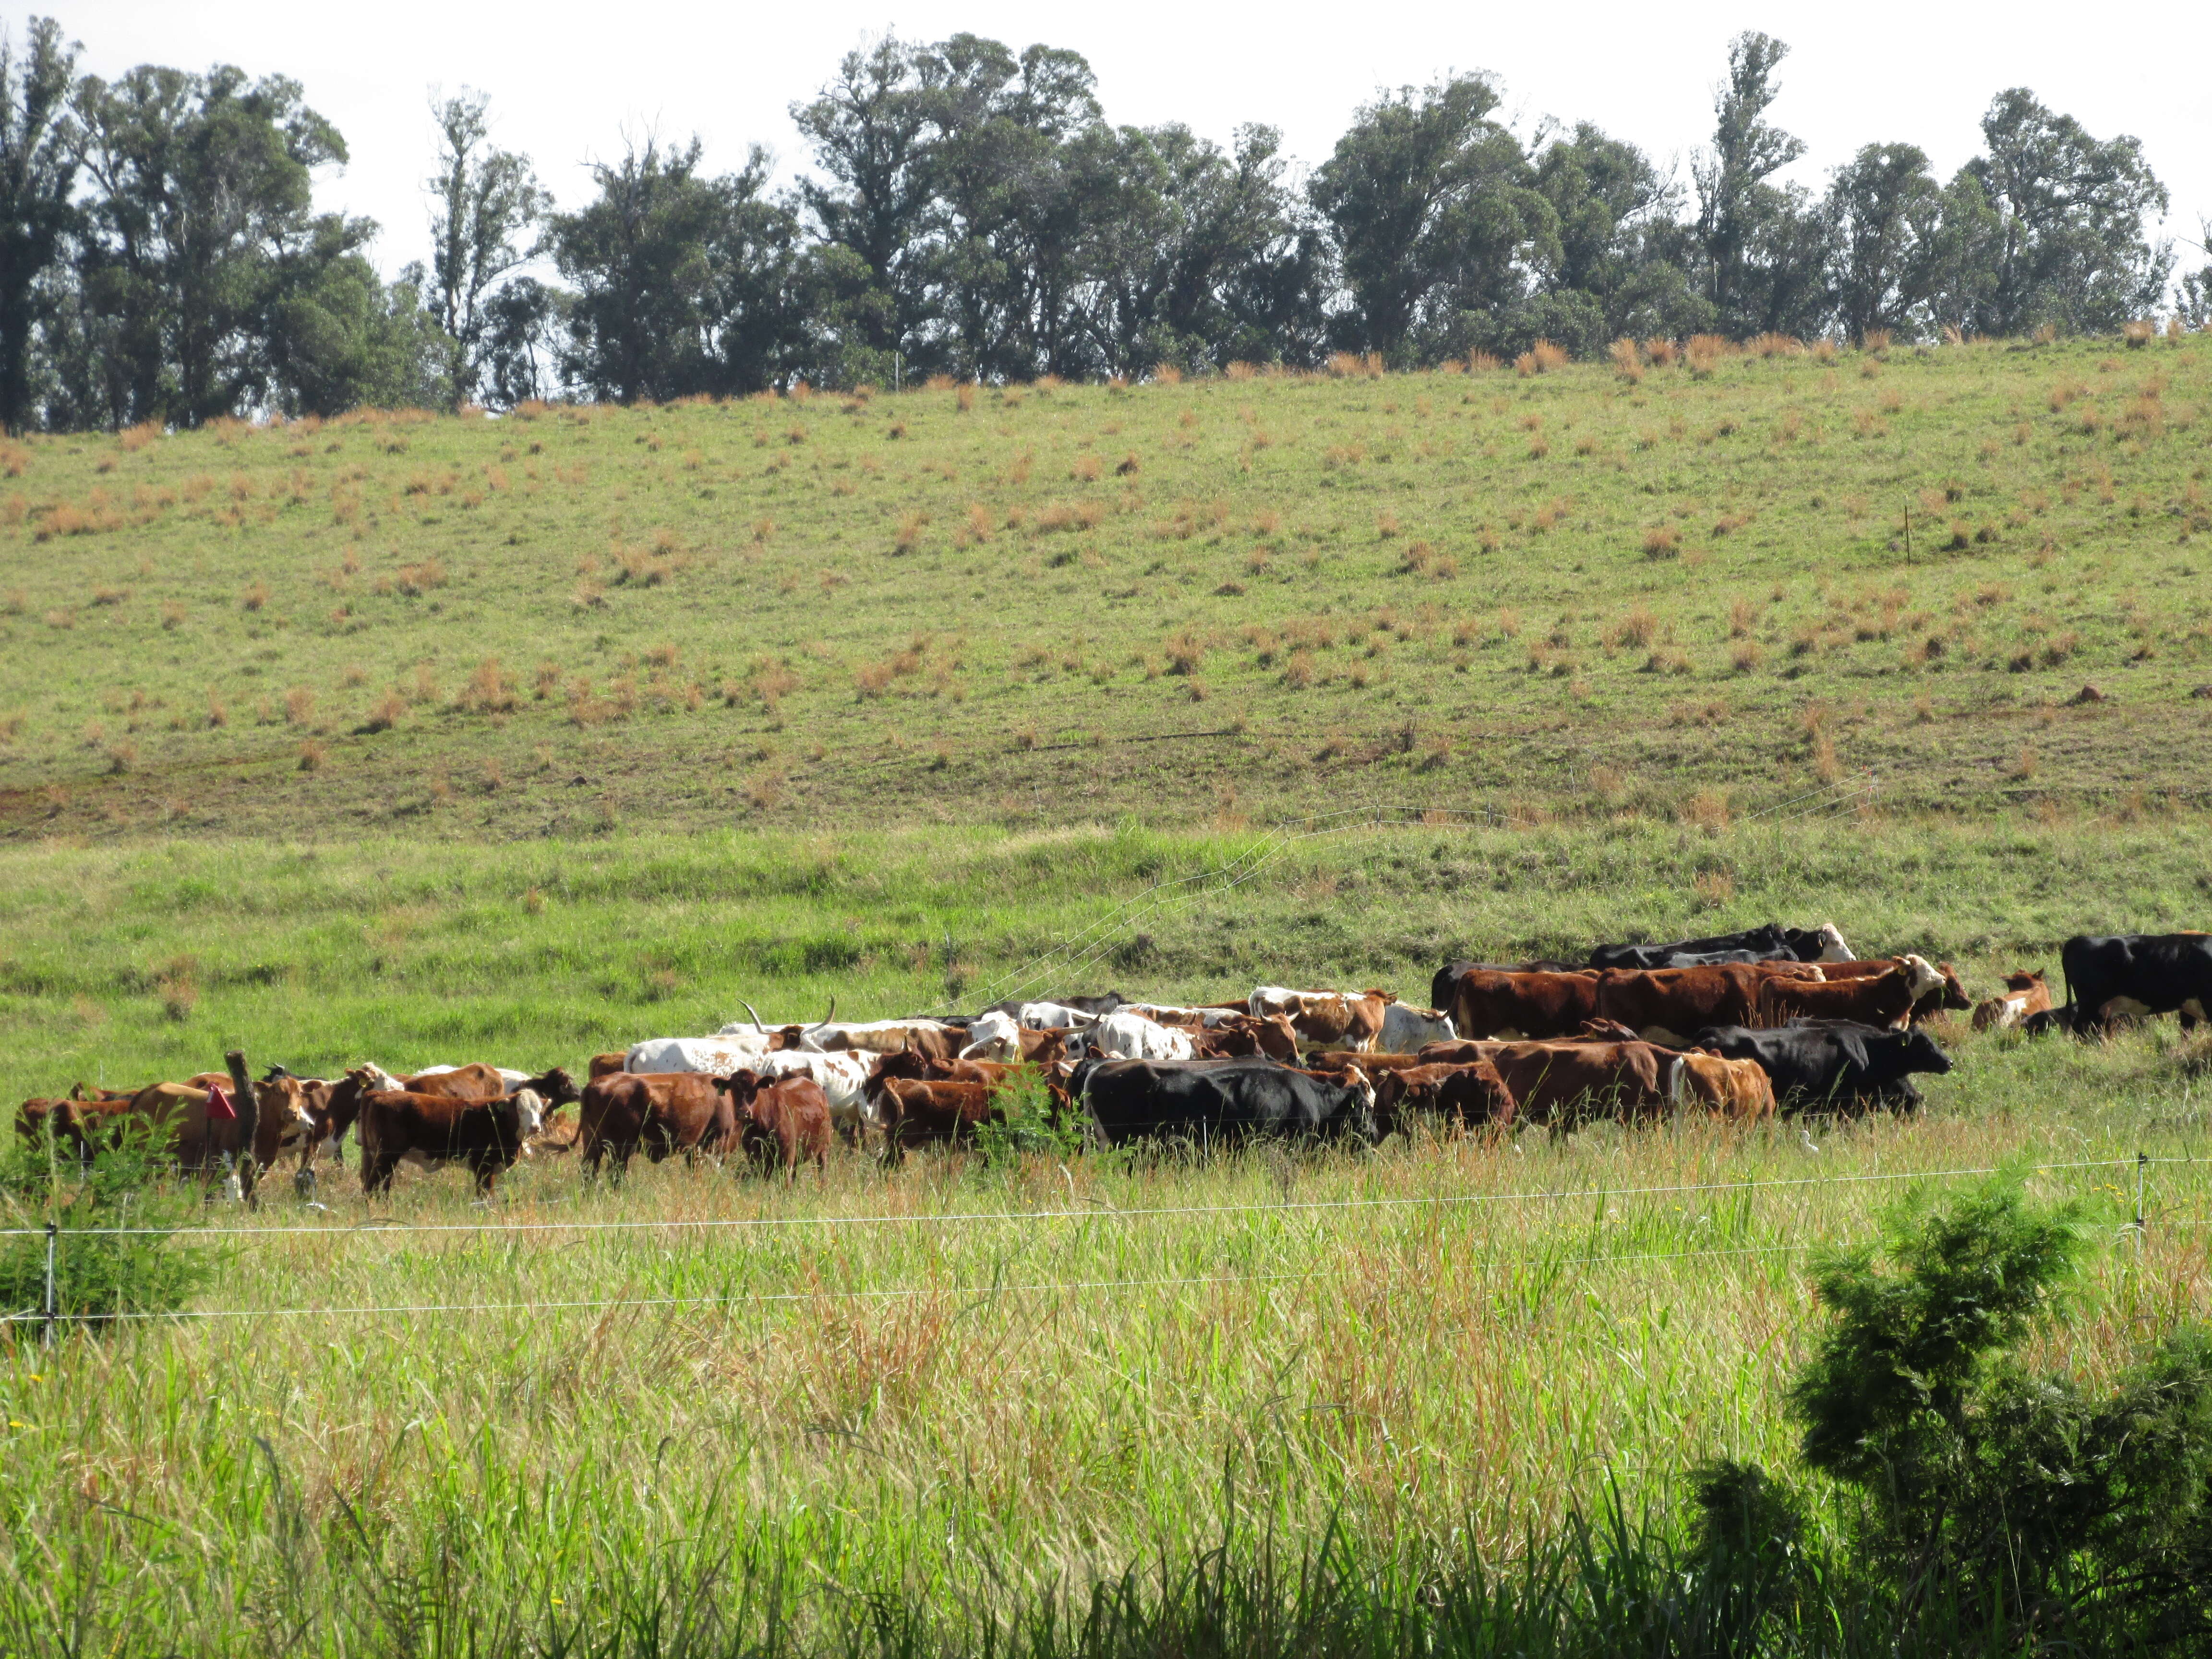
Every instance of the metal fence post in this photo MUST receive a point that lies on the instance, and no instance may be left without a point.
(52, 1303)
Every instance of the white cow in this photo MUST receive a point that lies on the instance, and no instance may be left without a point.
(842, 1076)
(1405, 1028)
(1164, 1012)
(993, 1037)
(1281, 1000)
(1124, 1035)
(1052, 1017)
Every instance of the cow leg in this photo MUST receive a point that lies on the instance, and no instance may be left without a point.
(376, 1172)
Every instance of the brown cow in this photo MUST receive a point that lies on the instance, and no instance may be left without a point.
(476, 1081)
(1529, 1005)
(1466, 1094)
(1562, 1083)
(917, 1112)
(1737, 1089)
(604, 1065)
(1953, 992)
(488, 1135)
(782, 1122)
(1884, 999)
(925, 1038)
(1241, 1035)
(2025, 994)
(663, 1112)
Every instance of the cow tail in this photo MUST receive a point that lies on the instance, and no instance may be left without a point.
(1678, 1073)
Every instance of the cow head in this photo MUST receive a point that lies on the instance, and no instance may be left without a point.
(1363, 1123)
(529, 1111)
(1955, 992)
(2023, 982)
(993, 1037)
(1833, 948)
(1922, 979)
(740, 1086)
(557, 1088)
(1919, 1052)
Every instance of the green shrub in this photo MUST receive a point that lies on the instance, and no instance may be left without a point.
(98, 1275)
(2052, 1516)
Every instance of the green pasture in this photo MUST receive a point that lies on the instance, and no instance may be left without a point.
(1239, 597)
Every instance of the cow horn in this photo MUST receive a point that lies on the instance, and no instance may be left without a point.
(748, 1007)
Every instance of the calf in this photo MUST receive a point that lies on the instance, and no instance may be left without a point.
(1469, 1093)
(1737, 1089)
(662, 1112)
(488, 1135)
(1885, 998)
(780, 1122)
(2025, 995)
(603, 1066)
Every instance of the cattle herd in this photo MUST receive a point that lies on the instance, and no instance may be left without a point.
(1739, 1026)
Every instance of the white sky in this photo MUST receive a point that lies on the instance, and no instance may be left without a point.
(567, 79)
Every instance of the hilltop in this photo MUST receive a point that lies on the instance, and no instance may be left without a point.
(1679, 588)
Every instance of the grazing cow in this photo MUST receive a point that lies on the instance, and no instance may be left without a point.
(1470, 1094)
(661, 1112)
(1240, 1036)
(929, 1111)
(2025, 995)
(1531, 1005)
(2136, 976)
(1830, 1065)
(1405, 1028)
(1885, 998)
(1737, 1089)
(1772, 942)
(1326, 1016)
(488, 1135)
(780, 1122)
(1211, 1100)
(1124, 1035)
(1563, 1084)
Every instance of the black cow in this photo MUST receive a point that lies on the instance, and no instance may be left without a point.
(1817, 1065)
(1211, 1100)
(1772, 942)
(1441, 987)
(2118, 976)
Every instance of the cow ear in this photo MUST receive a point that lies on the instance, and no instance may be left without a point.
(1855, 1049)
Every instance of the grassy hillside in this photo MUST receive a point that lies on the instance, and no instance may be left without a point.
(1230, 599)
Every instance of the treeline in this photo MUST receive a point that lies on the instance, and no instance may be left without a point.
(969, 211)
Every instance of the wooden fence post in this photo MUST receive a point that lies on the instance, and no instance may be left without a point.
(248, 1107)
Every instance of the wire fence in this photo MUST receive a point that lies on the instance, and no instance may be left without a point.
(53, 1318)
